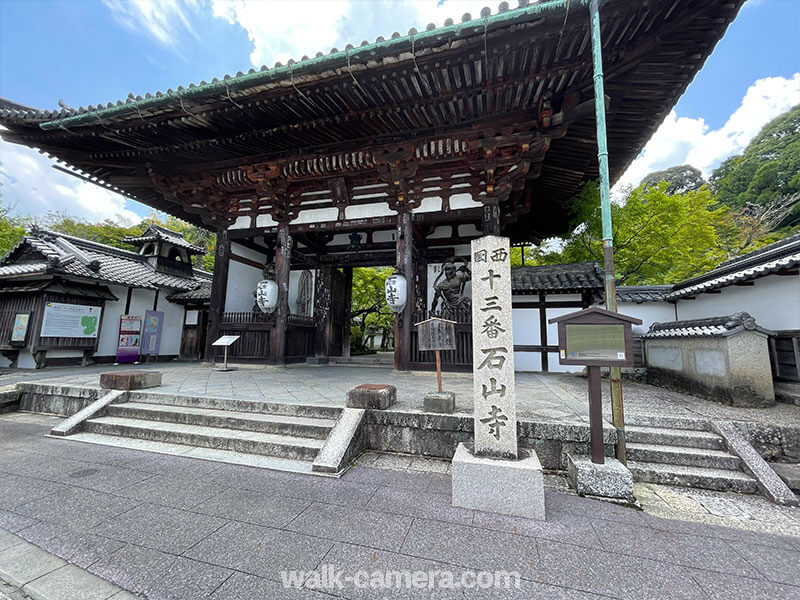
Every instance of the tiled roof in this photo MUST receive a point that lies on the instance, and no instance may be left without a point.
(780, 256)
(200, 294)
(642, 293)
(305, 67)
(710, 327)
(560, 278)
(71, 256)
(156, 233)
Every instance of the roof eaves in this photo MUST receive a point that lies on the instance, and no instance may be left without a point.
(306, 67)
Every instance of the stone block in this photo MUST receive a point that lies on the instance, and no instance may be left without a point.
(790, 475)
(376, 396)
(130, 380)
(440, 402)
(317, 360)
(609, 480)
(510, 487)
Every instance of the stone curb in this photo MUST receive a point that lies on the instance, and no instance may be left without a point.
(768, 481)
(72, 424)
(44, 576)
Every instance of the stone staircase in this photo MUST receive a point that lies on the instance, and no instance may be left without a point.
(683, 452)
(271, 435)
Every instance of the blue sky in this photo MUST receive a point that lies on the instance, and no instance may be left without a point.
(90, 52)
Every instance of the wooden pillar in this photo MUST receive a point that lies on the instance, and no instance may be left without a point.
(491, 216)
(322, 313)
(219, 287)
(543, 331)
(404, 264)
(348, 309)
(283, 256)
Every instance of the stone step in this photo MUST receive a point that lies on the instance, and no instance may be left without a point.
(722, 480)
(788, 392)
(667, 422)
(211, 454)
(307, 427)
(244, 406)
(248, 442)
(9, 400)
(690, 457)
(674, 437)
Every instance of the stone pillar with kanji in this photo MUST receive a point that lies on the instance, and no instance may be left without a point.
(493, 474)
(494, 398)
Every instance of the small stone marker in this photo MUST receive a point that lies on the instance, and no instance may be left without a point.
(130, 380)
(376, 396)
(494, 403)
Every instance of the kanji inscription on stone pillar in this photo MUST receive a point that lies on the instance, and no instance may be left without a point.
(495, 402)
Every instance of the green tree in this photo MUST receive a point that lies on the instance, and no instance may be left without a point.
(368, 308)
(11, 230)
(680, 179)
(658, 237)
(107, 232)
(767, 172)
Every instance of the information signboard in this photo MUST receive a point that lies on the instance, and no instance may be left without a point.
(19, 331)
(129, 342)
(151, 332)
(595, 341)
(70, 320)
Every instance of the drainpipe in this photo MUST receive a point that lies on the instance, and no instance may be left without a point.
(605, 207)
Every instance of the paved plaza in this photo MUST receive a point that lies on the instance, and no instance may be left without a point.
(170, 527)
(551, 397)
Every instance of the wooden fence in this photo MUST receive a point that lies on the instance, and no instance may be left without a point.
(256, 329)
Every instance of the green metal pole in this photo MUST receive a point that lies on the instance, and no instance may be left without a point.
(605, 207)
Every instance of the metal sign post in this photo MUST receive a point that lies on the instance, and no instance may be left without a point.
(225, 341)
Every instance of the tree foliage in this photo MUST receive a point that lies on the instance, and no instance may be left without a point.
(658, 237)
(767, 172)
(680, 179)
(369, 311)
(108, 231)
(11, 230)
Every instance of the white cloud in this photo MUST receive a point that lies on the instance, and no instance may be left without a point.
(680, 140)
(284, 29)
(161, 19)
(32, 187)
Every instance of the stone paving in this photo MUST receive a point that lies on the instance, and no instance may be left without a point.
(558, 398)
(171, 528)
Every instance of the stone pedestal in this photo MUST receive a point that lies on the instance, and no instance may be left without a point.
(510, 487)
(130, 380)
(612, 479)
(376, 396)
(440, 402)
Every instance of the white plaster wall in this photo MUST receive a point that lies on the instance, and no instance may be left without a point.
(648, 312)
(64, 353)
(173, 325)
(141, 300)
(242, 282)
(774, 302)
(25, 360)
(109, 330)
(242, 222)
(248, 253)
(366, 211)
(527, 332)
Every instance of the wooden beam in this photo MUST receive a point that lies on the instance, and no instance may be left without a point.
(404, 264)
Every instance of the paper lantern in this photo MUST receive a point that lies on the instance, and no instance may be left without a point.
(396, 292)
(267, 295)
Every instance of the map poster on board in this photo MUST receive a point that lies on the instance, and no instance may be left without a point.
(70, 320)
(151, 332)
(130, 328)
(20, 329)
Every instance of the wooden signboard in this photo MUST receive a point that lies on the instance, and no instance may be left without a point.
(595, 338)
